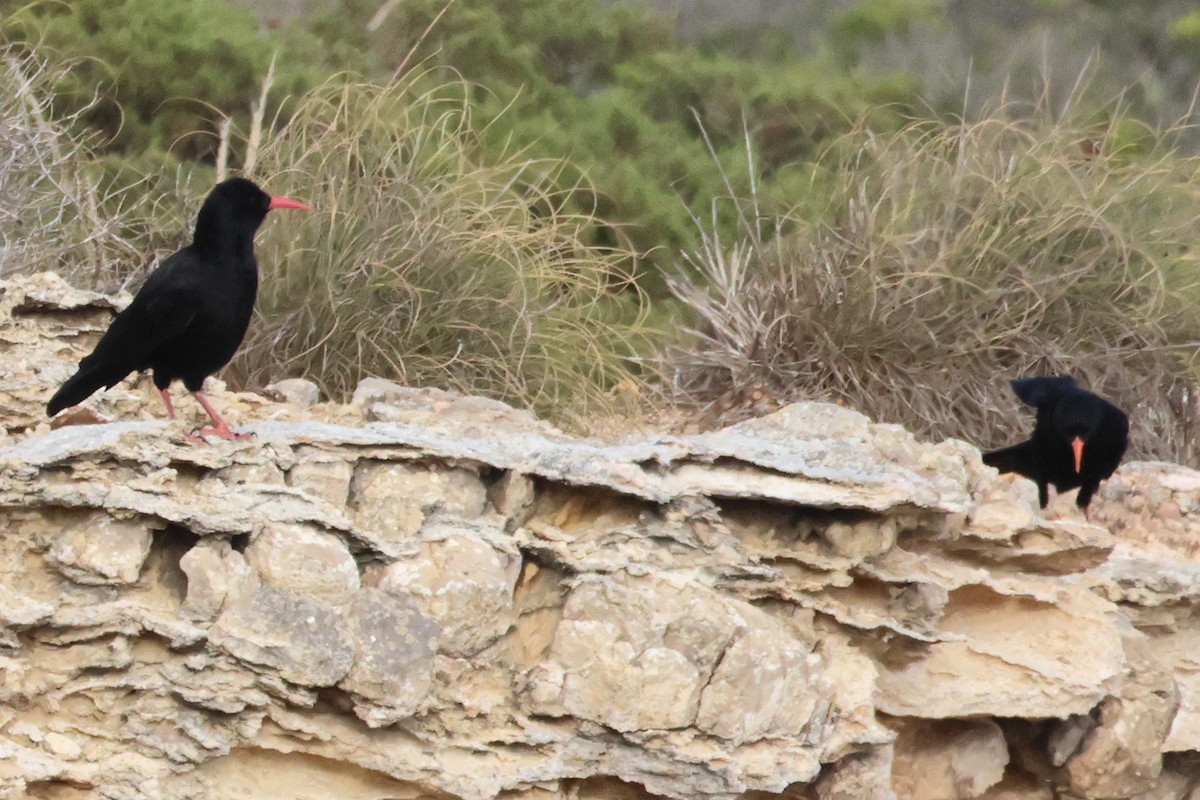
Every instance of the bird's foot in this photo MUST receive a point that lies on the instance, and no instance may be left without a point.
(220, 431)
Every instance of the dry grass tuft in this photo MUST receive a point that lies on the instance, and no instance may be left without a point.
(952, 258)
(423, 265)
(100, 224)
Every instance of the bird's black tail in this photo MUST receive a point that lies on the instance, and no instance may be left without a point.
(1018, 459)
(80, 387)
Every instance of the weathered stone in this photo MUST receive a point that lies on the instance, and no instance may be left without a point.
(305, 641)
(304, 560)
(1119, 753)
(679, 656)
(393, 499)
(761, 686)
(1009, 656)
(101, 550)
(322, 475)
(394, 646)
(513, 497)
(213, 568)
(724, 616)
(948, 759)
(860, 776)
(462, 581)
(299, 391)
(861, 540)
(378, 390)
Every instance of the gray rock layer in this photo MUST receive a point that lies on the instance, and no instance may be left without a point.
(426, 595)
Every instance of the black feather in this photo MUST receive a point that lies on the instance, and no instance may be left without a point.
(1065, 412)
(191, 314)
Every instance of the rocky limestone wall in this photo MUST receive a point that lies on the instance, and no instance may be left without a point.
(420, 595)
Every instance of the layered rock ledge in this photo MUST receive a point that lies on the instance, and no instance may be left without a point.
(421, 595)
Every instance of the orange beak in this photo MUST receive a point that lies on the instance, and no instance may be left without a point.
(1077, 446)
(287, 202)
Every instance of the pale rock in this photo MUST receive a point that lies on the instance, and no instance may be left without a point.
(214, 570)
(1022, 786)
(860, 776)
(513, 496)
(1010, 656)
(1003, 513)
(948, 760)
(29, 730)
(392, 500)
(394, 648)
(728, 615)
(1118, 753)
(378, 390)
(262, 474)
(861, 540)
(1182, 784)
(299, 391)
(462, 577)
(62, 746)
(21, 610)
(102, 550)
(761, 686)
(304, 560)
(322, 475)
(653, 643)
(304, 640)
(679, 656)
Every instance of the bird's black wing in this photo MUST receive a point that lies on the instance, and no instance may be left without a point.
(161, 310)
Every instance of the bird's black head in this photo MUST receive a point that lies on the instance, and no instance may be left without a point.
(1077, 416)
(241, 199)
(1039, 392)
(235, 209)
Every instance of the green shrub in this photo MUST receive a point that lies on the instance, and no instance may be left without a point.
(607, 87)
(951, 258)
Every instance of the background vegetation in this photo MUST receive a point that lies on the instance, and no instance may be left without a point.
(895, 204)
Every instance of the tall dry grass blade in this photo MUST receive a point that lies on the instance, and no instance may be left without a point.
(258, 110)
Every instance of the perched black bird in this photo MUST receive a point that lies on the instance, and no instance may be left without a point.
(1078, 439)
(191, 314)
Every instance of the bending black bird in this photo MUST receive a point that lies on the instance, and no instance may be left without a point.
(191, 314)
(1078, 439)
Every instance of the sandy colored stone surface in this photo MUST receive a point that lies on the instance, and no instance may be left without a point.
(424, 595)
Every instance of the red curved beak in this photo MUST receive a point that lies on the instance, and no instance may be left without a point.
(1077, 446)
(287, 202)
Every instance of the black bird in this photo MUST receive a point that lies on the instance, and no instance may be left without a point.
(191, 314)
(1078, 439)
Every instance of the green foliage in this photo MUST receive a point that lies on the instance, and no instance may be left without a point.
(950, 258)
(608, 88)
(867, 22)
(151, 76)
(1186, 29)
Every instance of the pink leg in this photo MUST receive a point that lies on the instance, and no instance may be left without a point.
(167, 399)
(219, 427)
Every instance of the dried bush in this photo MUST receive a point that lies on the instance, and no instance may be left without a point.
(953, 258)
(422, 264)
(99, 224)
